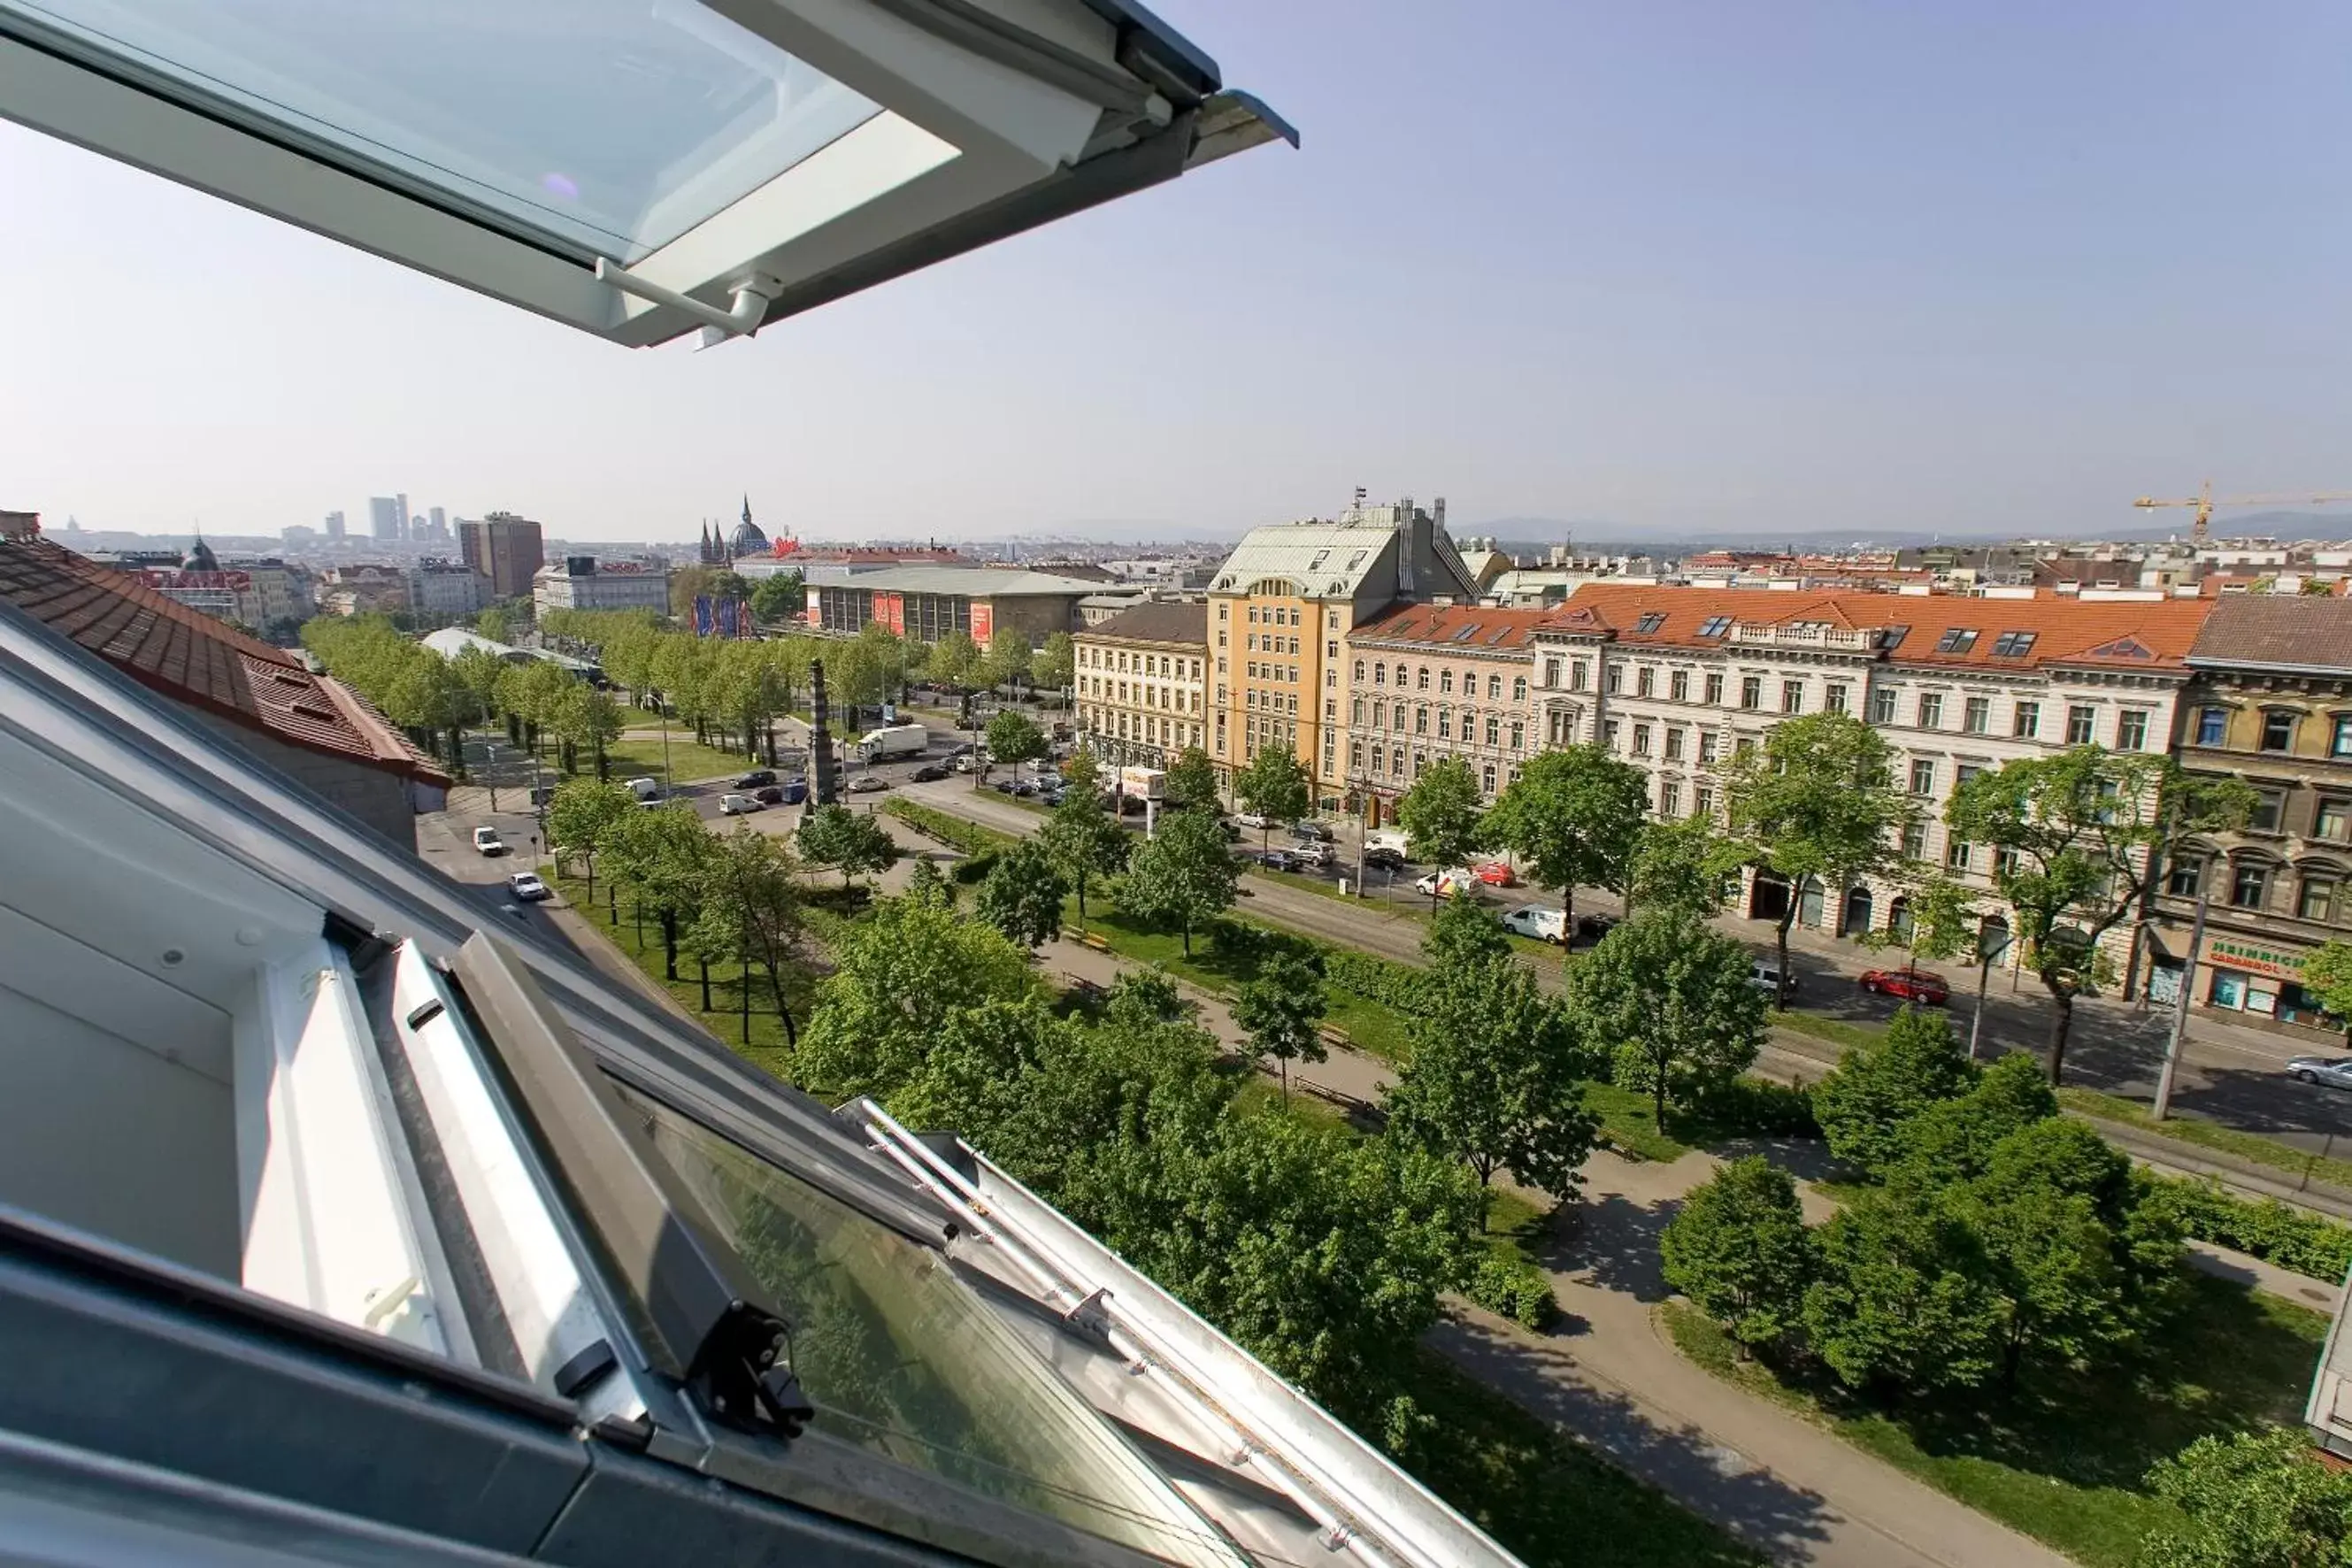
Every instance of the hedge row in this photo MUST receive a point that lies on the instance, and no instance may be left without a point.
(2270, 1230)
(1509, 1285)
(1382, 980)
(953, 831)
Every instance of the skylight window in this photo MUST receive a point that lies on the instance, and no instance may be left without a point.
(1958, 640)
(636, 168)
(1715, 626)
(1651, 622)
(2014, 645)
(1892, 638)
(1466, 633)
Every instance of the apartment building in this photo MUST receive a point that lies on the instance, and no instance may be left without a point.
(507, 548)
(2271, 703)
(1428, 681)
(1282, 607)
(1142, 679)
(586, 582)
(1680, 681)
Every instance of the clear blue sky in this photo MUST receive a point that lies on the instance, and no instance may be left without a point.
(1726, 267)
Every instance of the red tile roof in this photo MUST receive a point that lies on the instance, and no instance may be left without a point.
(1444, 624)
(2127, 634)
(191, 657)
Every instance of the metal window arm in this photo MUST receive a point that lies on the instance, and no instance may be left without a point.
(752, 294)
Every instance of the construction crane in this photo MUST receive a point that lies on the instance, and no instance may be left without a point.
(2204, 501)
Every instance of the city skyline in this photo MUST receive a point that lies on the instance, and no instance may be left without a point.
(1872, 273)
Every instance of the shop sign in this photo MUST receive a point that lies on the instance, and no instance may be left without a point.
(2256, 959)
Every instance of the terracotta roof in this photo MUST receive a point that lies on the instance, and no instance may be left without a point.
(191, 657)
(2286, 630)
(2130, 634)
(1467, 628)
(1165, 620)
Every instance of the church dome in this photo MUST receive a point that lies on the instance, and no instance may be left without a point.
(747, 539)
(200, 558)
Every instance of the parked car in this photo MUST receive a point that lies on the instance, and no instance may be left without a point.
(1765, 975)
(961, 749)
(1020, 789)
(866, 783)
(2335, 1072)
(488, 842)
(733, 804)
(1910, 985)
(1003, 786)
(1314, 852)
(1310, 833)
(1498, 874)
(526, 886)
(795, 789)
(1380, 857)
(963, 763)
(1280, 860)
(1253, 821)
(1232, 834)
(646, 790)
(771, 795)
(1593, 928)
(756, 778)
(1445, 884)
(929, 772)
(1537, 920)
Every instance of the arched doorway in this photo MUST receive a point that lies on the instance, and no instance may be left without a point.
(1859, 907)
(1992, 940)
(1768, 899)
(1898, 919)
(1809, 902)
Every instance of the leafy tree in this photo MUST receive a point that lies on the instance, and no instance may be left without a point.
(1183, 877)
(1901, 1300)
(495, 625)
(1573, 816)
(2255, 1499)
(1008, 657)
(587, 718)
(2327, 974)
(899, 977)
(1675, 997)
(1282, 1011)
(781, 596)
(1275, 785)
(1952, 1140)
(1442, 814)
(1022, 894)
(2078, 841)
(848, 841)
(1496, 1078)
(1739, 1251)
(1464, 936)
(1055, 666)
(1082, 772)
(1879, 1088)
(1084, 843)
(955, 660)
(752, 910)
(1818, 799)
(582, 816)
(2084, 1263)
(1681, 866)
(663, 855)
(1014, 738)
(1193, 780)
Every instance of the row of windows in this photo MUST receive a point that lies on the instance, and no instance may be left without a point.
(1420, 676)
(1387, 762)
(2278, 731)
(1166, 664)
(1180, 699)
(1287, 673)
(2255, 884)
(1270, 644)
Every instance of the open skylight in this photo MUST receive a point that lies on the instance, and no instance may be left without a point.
(635, 168)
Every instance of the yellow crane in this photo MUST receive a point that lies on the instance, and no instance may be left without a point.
(2205, 502)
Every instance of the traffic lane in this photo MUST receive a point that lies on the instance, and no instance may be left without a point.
(444, 841)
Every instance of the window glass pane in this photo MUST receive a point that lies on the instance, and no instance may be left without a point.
(901, 1358)
(617, 125)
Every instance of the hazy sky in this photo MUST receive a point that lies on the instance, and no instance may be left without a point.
(1720, 267)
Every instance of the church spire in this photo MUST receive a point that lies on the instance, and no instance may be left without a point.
(746, 506)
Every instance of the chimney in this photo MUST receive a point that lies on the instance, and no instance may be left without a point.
(1437, 513)
(19, 525)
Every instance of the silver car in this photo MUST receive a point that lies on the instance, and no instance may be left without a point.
(2335, 1072)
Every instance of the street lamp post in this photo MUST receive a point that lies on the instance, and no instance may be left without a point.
(2180, 999)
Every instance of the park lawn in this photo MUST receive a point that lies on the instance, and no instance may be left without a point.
(2065, 1458)
(1549, 1499)
(766, 1048)
(2202, 1134)
(1837, 1031)
(638, 754)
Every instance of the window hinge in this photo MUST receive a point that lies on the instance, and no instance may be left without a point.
(752, 295)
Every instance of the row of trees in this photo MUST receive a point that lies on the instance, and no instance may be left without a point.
(2078, 840)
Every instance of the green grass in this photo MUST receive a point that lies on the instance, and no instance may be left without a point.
(1549, 1499)
(766, 1049)
(2203, 1134)
(1837, 1031)
(638, 753)
(2063, 1459)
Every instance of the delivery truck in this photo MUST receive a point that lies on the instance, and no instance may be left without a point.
(891, 741)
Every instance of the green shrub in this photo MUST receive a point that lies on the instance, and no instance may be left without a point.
(953, 831)
(976, 867)
(2270, 1230)
(1509, 1285)
(1758, 1108)
(1398, 985)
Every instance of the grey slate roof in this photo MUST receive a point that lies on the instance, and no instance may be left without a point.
(1175, 620)
(2283, 631)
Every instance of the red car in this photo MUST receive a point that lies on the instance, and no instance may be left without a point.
(1495, 874)
(1910, 985)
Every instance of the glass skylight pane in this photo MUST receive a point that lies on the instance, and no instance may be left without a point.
(901, 1357)
(614, 125)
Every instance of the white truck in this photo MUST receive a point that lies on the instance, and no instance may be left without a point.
(892, 740)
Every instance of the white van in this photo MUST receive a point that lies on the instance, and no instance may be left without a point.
(646, 790)
(1765, 975)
